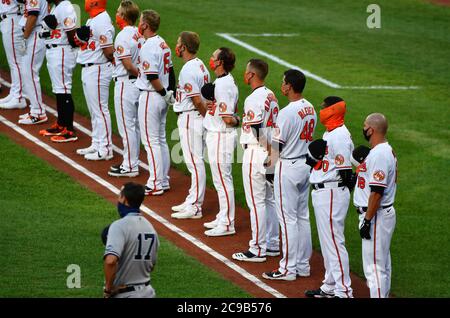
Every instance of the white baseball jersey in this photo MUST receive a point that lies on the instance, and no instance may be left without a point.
(295, 128)
(379, 169)
(67, 21)
(261, 107)
(337, 156)
(192, 77)
(102, 35)
(155, 58)
(9, 7)
(127, 45)
(34, 6)
(226, 98)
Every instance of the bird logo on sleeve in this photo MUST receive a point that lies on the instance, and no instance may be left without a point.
(339, 160)
(188, 88)
(379, 175)
(222, 107)
(120, 49)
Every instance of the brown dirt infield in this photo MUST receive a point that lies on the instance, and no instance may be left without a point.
(179, 187)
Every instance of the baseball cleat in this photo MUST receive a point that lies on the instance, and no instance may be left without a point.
(14, 103)
(187, 215)
(23, 116)
(65, 136)
(33, 120)
(54, 130)
(220, 231)
(276, 275)
(5, 99)
(85, 151)
(303, 275)
(166, 187)
(95, 156)
(179, 208)
(150, 191)
(318, 293)
(272, 253)
(122, 172)
(248, 257)
(211, 225)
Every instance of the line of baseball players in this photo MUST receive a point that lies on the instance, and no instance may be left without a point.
(281, 160)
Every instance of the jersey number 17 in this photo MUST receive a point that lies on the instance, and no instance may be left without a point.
(141, 238)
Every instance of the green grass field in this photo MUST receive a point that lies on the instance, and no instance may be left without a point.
(411, 48)
(41, 235)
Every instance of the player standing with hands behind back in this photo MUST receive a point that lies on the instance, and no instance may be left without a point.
(191, 109)
(374, 198)
(220, 123)
(295, 128)
(96, 54)
(156, 82)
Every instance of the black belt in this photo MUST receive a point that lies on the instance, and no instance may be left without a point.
(4, 16)
(130, 77)
(317, 186)
(299, 157)
(130, 288)
(186, 111)
(91, 64)
(364, 209)
(52, 46)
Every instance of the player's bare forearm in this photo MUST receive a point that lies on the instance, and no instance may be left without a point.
(109, 52)
(70, 37)
(373, 205)
(130, 67)
(29, 26)
(110, 269)
(157, 85)
(199, 104)
(231, 121)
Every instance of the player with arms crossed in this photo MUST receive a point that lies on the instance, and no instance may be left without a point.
(191, 110)
(295, 128)
(126, 94)
(96, 54)
(131, 248)
(32, 48)
(374, 198)
(220, 123)
(10, 15)
(260, 116)
(59, 31)
(332, 180)
(157, 84)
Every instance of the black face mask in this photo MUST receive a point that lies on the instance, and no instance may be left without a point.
(366, 135)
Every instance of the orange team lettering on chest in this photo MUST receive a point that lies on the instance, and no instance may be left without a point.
(136, 37)
(306, 111)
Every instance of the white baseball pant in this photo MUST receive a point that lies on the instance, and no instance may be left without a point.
(31, 65)
(11, 36)
(126, 104)
(61, 62)
(291, 187)
(260, 201)
(152, 115)
(96, 80)
(220, 147)
(190, 127)
(330, 207)
(376, 252)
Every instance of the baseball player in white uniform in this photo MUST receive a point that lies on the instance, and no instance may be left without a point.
(32, 47)
(191, 110)
(96, 54)
(260, 116)
(331, 181)
(220, 123)
(374, 198)
(131, 248)
(295, 128)
(126, 94)
(157, 84)
(58, 30)
(12, 37)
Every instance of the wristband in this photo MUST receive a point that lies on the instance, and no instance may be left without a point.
(162, 92)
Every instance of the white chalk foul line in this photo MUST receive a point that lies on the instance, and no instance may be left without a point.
(232, 38)
(144, 208)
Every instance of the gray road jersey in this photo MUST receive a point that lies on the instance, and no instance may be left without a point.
(135, 242)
